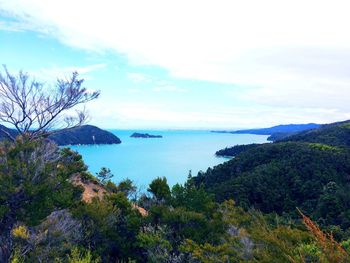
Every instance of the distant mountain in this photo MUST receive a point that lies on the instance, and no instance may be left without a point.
(144, 135)
(276, 132)
(334, 134)
(288, 128)
(86, 134)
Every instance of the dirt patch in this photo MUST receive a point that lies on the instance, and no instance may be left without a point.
(94, 189)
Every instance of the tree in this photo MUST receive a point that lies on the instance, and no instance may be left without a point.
(160, 189)
(104, 175)
(34, 182)
(35, 173)
(35, 111)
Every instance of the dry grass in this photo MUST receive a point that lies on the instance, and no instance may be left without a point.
(332, 250)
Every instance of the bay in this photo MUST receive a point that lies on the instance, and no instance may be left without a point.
(172, 156)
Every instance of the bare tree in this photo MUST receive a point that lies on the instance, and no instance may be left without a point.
(35, 110)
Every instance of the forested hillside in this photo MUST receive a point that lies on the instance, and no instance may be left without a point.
(336, 134)
(309, 171)
(52, 209)
(49, 221)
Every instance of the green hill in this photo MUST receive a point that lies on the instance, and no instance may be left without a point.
(310, 171)
(336, 134)
(85, 134)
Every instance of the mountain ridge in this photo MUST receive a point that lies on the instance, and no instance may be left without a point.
(276, 132)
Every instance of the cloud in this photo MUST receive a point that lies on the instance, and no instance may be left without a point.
(53, 73)
(292, 54)
(13, 26)
(168, 88)
(159, 85)
(142, 114)
(139, 77)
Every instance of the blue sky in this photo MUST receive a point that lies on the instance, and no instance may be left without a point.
(189, 64)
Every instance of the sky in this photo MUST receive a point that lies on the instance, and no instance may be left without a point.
(189, 64)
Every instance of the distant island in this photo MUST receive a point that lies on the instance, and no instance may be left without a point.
(144, 135)
(85, 134)
(278, 132)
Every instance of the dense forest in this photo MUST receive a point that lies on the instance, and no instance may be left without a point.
(279, 202)
(309, 170)
(53, 219)
(335, 134)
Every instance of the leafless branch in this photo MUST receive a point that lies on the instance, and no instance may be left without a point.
(35, 111)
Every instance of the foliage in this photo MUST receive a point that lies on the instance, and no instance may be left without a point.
(104, 175)
(16, 257)
(332, 250)
(110, 227)
(334, 134)
(44, 219)
(127, 187)
(81, 257)
(346, 245)
(160, 189)
(235, 150)
(34, 181)
(281, 176)
(20, 232)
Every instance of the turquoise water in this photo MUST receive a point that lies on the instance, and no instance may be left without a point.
(172, 156)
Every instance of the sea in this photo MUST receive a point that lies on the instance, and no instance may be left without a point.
(173, 156)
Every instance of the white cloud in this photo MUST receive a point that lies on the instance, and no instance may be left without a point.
(130, 114)
(53, 73)
(139, 77)
(294, 53)
(159, 85)
(169, 88)
(13, 26)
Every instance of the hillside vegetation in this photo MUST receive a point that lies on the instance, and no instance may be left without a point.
(49, 220)
(254, 208)
(310, 171)
(336, 134)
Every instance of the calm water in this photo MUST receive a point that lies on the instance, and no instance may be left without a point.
(172, 156)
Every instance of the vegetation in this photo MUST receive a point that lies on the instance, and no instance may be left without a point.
(335, 134)
(44, 216)
(85, 134)
(183, 224)
(282, 176)
(235, 150)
